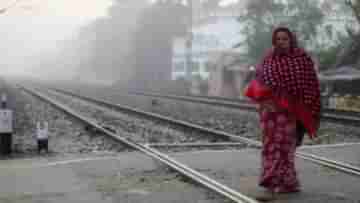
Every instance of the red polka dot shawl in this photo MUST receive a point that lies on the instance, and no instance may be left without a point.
(294, 86)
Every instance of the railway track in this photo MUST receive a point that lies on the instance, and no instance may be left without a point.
(225, 119)
(181, 147)
(161, 157)
(340, 166)
(165, 119)
(332, 115)
(337, 165)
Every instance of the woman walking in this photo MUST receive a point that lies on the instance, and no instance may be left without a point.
(287, 90)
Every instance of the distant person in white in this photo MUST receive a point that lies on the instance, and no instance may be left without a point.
(42, 136)
(6, 127)
(3, 101)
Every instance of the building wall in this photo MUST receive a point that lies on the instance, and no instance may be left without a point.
(227, 77)
(216, 36)
(179, 67)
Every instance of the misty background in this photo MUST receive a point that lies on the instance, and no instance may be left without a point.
(131, 43)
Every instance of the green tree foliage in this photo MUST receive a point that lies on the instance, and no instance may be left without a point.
(349, 53)
(327, 57)
(303, 17)
(355, 6)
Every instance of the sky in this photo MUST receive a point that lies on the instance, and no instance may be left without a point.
(228, 2)
(221, 3)
(34, 28)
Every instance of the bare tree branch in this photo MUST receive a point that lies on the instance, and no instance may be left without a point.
(350, 32)
(355, 7)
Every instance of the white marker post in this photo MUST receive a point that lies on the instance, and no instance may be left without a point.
(42, 136)
(3, 100)
(6, 130)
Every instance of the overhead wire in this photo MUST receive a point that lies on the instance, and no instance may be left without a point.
(4, 9)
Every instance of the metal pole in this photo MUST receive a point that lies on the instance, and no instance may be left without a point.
(188, 42)
(3, 10)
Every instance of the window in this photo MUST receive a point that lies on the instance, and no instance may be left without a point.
(195, 67)
(179, 67)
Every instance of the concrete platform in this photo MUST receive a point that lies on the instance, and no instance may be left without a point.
(240, 170)
(133, 177)
(129, 177)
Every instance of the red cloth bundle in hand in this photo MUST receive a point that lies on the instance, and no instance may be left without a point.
(257, 91)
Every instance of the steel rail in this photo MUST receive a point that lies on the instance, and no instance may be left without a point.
(204, 146)
(234, 100)
(215, 102)
(161, 118)
(327, 114)
(177, 166)
(346, 144)
(218, 98)
(221, 144)
(341, 166)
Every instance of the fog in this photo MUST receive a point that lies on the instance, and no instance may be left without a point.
(145, 43)
(33, 31)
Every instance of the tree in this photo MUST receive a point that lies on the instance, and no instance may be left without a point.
(105, 44)
(355, 7)
(349, 53)
(210, 6)
(262, 17)
(152, 53)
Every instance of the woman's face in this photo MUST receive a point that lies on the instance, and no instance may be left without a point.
(282, 40)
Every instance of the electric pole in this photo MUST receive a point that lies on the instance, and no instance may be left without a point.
(188, 42)
(3, 10)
